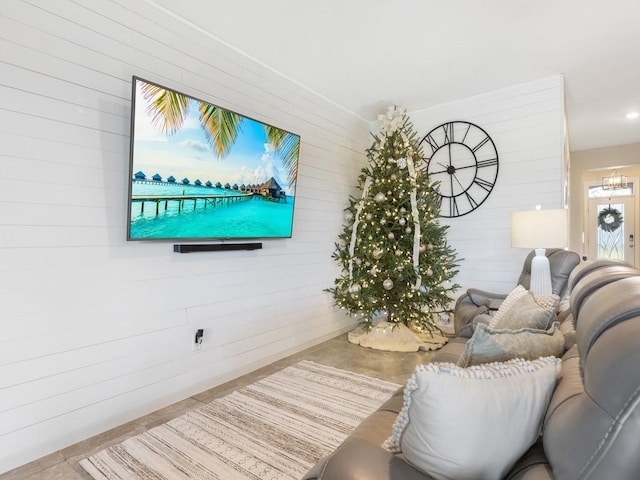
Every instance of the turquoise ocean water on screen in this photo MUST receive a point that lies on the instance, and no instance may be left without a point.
(252, 218)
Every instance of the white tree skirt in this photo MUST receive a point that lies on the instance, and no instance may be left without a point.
(394, 337)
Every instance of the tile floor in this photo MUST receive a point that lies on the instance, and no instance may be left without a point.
(337, 352)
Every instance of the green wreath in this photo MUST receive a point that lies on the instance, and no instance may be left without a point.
(609, 219)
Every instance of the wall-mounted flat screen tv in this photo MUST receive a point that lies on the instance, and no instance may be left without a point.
(201, 172)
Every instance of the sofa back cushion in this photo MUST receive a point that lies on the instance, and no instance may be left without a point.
(592, 281)
(587, 267)
(592, 425)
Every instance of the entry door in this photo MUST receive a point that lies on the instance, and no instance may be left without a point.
(611, 229)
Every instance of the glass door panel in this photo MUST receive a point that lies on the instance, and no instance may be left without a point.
(611, 228)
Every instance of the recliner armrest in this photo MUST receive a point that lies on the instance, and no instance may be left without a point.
(494, 303)
(357, 460)
(481, 297)
(472, 303)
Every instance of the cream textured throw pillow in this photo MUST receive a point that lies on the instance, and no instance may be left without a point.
(472, 423)
(550, 302)
(528, 312)
(507, 303)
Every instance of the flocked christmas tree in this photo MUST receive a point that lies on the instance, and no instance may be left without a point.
(393, 252)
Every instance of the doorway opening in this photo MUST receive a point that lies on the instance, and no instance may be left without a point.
(609, 221)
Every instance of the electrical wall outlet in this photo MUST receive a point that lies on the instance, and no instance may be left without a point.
(197, 341)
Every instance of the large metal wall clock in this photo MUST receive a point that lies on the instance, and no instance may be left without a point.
(462, 157)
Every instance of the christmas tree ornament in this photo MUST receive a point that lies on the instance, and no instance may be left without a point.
(387, 284)
(379, 197)
(377, 253)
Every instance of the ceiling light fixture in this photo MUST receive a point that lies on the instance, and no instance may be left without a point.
(614, 182)
(633, 115)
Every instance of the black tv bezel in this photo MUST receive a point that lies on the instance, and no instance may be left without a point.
(132, 119)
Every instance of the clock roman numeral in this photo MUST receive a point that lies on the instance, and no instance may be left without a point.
(483, 184)
(492, 162)
(464, 137)
(453, 207)
(472, 201)
(477, 147)
(432, 142)
(448, 132)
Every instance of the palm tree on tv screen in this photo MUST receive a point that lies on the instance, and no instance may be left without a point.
(168, 110)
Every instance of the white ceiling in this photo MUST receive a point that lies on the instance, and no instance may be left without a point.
(364, 55)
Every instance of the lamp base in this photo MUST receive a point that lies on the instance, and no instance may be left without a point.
(540, 274)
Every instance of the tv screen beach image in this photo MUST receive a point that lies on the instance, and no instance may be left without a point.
(198, 171)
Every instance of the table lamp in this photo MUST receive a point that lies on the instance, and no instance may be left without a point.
(539, 229)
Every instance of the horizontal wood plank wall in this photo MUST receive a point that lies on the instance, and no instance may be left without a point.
(95, 331)
(526, 122)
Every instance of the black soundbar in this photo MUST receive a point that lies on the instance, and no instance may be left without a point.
(215, 247)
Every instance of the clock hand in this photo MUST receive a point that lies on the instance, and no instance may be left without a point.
(438, 172)
(456, 177)
(473, 165)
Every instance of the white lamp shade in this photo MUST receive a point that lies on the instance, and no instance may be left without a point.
(539, 229)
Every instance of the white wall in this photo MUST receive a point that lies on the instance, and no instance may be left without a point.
(526, 123)
(95, 331)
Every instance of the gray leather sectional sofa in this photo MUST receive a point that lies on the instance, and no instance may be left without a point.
(591, 429)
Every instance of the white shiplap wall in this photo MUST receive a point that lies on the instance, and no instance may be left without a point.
(95, 331)
(526, 122)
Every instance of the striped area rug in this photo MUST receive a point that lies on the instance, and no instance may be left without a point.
(276, 428)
